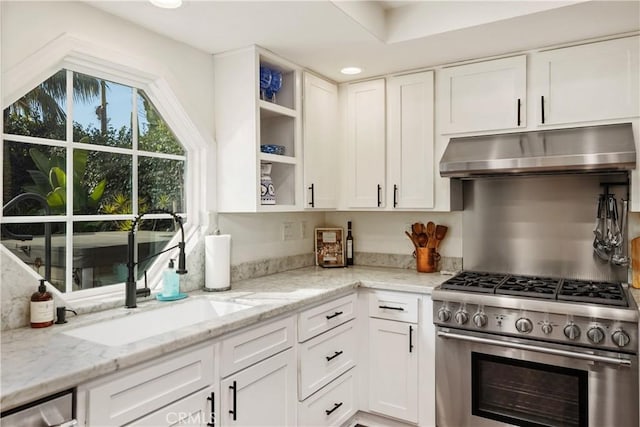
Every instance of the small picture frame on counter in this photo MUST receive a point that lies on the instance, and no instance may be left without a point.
(329, 247)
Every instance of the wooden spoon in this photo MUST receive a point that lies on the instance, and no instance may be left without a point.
(417, 228)
(441, 231)
(431, 234)
(413, 240)
(423, 240)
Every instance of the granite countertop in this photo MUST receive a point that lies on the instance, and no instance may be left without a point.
(38, 362)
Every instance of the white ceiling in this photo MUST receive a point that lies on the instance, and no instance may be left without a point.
(382, 37)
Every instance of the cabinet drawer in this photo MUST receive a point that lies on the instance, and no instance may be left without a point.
(326, 316)
(325, 357)
(124, 397)
(394, 306)
(255, 344)
(333, 405)
(193, 410)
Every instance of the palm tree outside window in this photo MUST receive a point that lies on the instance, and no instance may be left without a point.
(98, 153)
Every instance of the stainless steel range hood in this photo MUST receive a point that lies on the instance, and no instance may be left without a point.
(586, 149)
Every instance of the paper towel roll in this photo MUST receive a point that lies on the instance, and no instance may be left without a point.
(217, 262)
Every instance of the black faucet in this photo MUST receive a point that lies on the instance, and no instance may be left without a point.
(131, 293)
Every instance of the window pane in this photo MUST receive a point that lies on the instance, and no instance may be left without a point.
(152, 237)
(101, 112)
(105, 180)
(41, 112)
(29, 243)
(153, 132)
(161, 184)
(100, 250)
(31, 168)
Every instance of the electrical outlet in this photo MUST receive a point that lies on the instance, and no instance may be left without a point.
(289, 231)
(304, 226)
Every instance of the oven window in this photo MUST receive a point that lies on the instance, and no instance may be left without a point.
(527, 393)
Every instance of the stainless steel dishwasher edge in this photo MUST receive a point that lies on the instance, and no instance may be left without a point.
(53, 411)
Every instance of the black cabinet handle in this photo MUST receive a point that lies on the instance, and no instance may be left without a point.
(234, 411)
(336, 354)
(379, 198)
(335, 406)
(386, 307)
(542, 107)
(212, 417)
(331, 316)
(410, 338)
(312, 203)
(395, 195)
(519, 111)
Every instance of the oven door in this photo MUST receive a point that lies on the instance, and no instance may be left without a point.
(488, 380)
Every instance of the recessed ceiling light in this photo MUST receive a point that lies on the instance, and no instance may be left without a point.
(351, 70)
(167, 4)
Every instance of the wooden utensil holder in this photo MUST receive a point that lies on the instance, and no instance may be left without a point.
(427, 260)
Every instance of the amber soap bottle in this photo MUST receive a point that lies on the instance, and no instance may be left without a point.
(41, 307)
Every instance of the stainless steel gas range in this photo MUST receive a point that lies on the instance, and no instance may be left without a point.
(535, 351)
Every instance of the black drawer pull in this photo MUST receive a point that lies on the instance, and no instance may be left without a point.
(212, 418)
(335, 406)
(542, 107)
(336, 314)
(379, 198)
(395, 195)
(518, 111)
(312, 203)
(234, 411)
(336, 354)
(410, 338)
(386, 307)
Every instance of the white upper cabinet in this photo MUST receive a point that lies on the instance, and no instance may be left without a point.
(596, 81)
(365, 133)
(484, 96)
(251, 125)
(410, 141)
(320, 119)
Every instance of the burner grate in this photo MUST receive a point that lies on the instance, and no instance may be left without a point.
(474, 281)
(529, 286)
(571, 290)
(592, 292)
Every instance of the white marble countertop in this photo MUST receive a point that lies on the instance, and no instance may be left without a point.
(38, 362)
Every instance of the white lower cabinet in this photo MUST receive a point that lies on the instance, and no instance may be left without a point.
(393, 369)
(260, 376)
(136, 392)
(331, 406)
(263, 394)
(194, 410)
(325, 357)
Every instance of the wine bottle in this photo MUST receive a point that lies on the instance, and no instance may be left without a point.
(349, 244)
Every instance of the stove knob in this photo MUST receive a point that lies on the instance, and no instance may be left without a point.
(620, 338)
(595, 335)
(546, 328)
(524, 325)
(461, 317)
(572, 331)
(480, 319)
(444, 315)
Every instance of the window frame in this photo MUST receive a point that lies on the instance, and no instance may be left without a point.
(70, 54)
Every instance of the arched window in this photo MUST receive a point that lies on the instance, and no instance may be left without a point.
(81, 157)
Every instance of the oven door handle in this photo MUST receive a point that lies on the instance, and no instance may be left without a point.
(557, 352)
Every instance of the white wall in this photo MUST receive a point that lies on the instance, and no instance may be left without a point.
(28, 26)
(260, 236)
(383, 232)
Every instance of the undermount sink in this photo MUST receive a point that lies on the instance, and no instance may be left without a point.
(138, 326)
